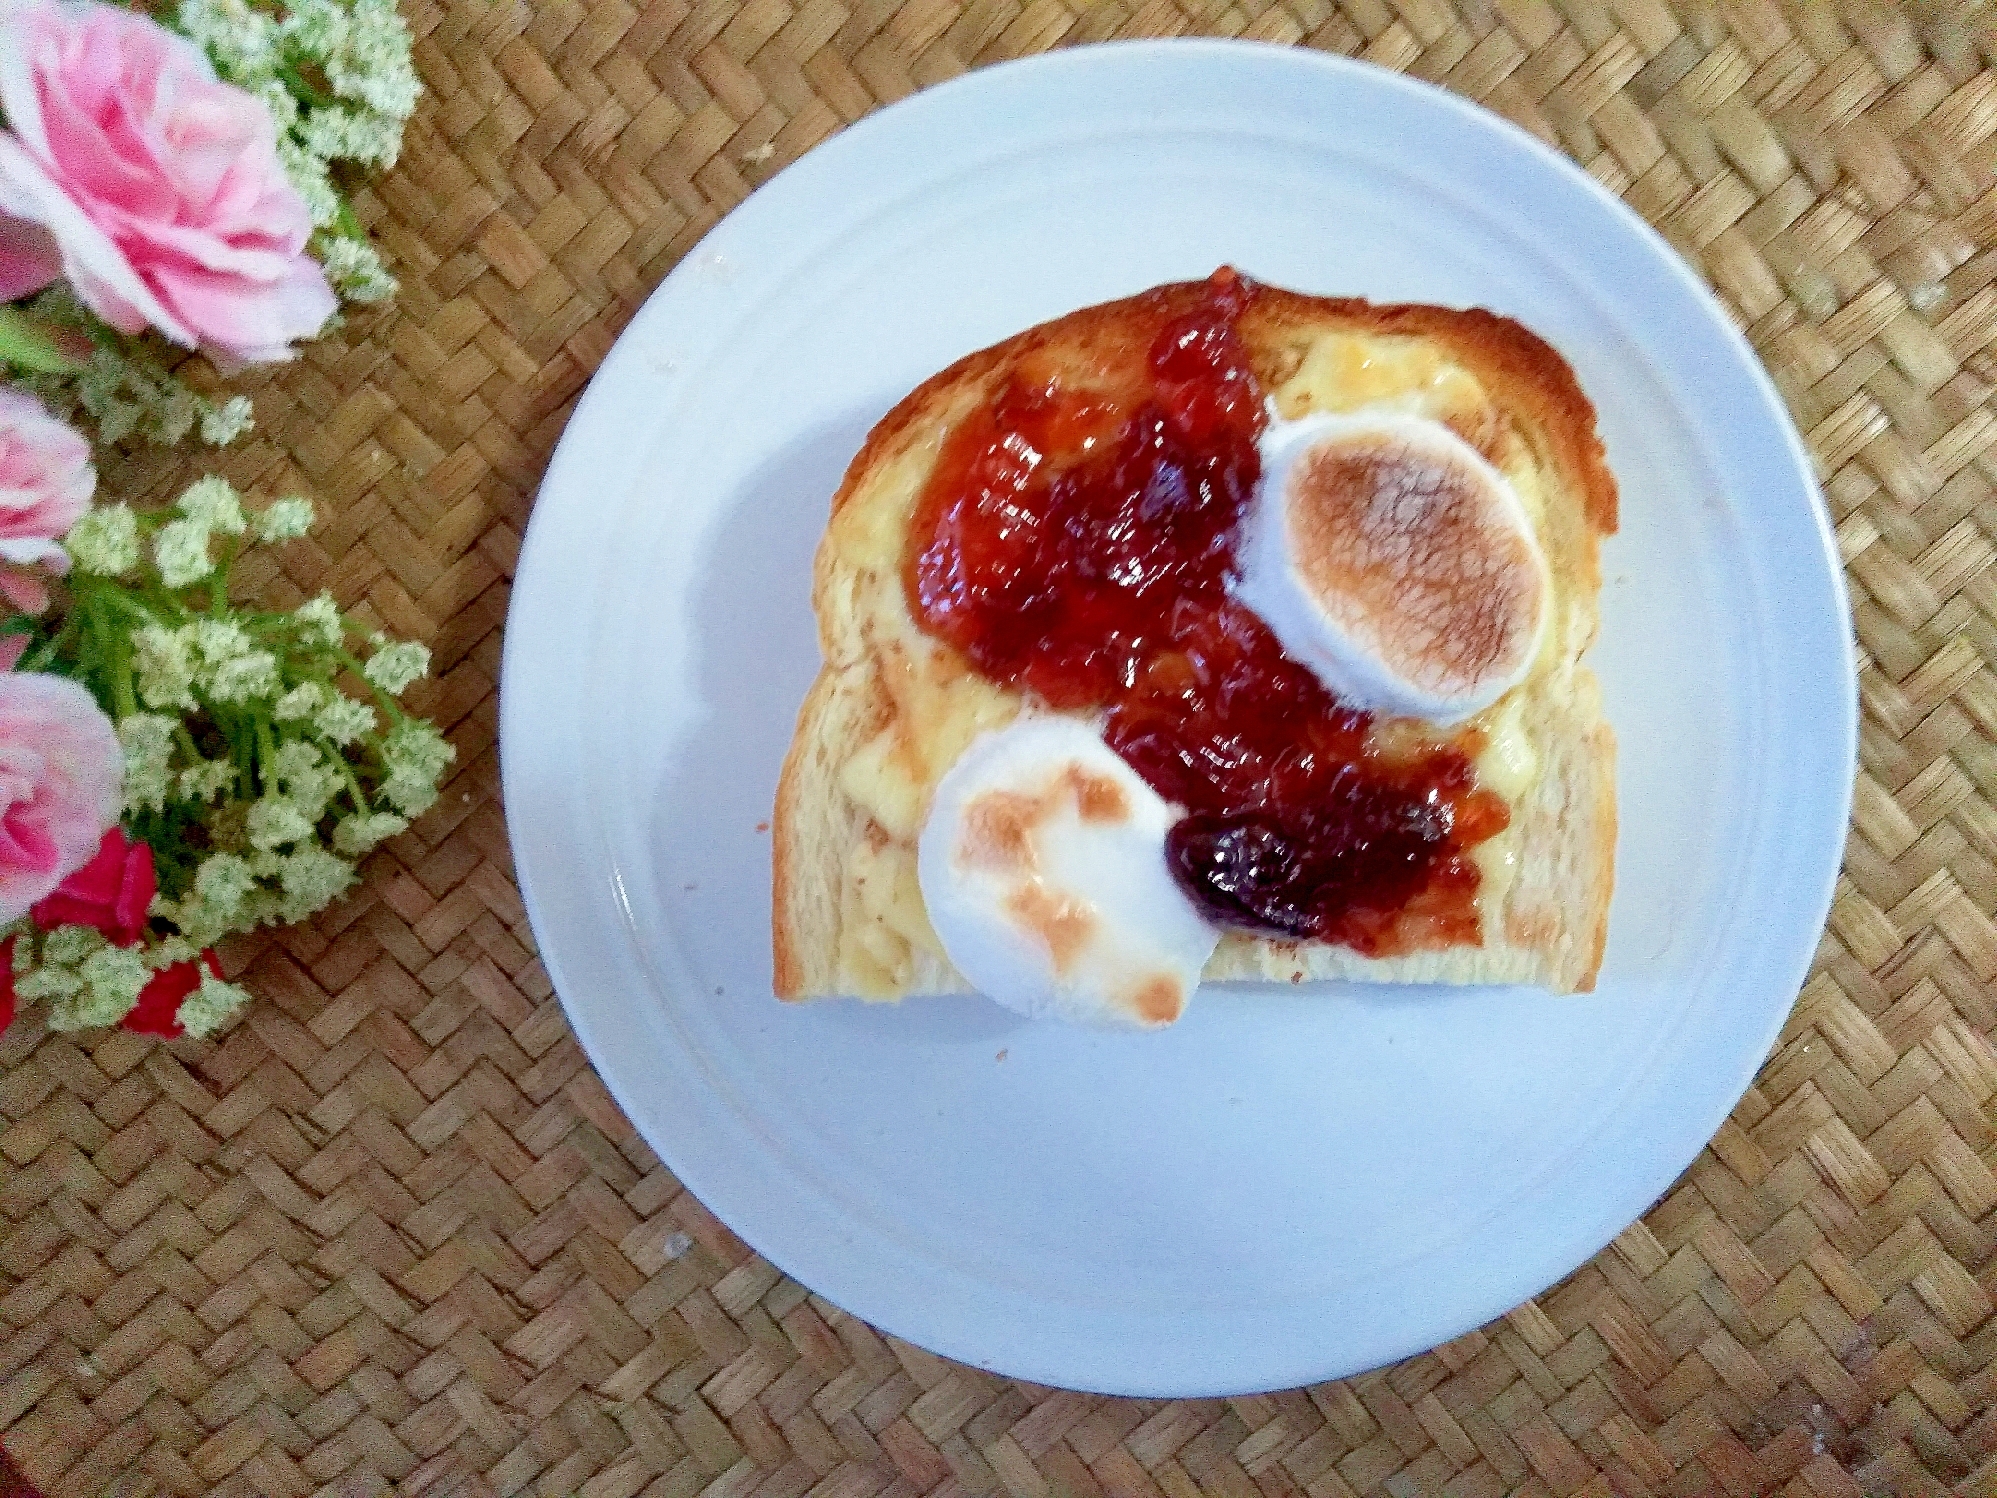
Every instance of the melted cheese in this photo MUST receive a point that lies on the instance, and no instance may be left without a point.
(1508, 766)
(1352, 371)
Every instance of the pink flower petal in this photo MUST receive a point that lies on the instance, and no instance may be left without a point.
(61, 770)
(160, 185)
(30, 551)
(45, 485)
(23, 590)
(262, 319)
(103, 277)
(29, 259)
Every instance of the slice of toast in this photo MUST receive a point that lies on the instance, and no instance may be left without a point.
(892, 708)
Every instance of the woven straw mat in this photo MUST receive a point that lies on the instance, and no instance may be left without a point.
(390, 1234)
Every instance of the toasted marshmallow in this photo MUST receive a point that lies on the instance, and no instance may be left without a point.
(1042, 866)
(1389, 557)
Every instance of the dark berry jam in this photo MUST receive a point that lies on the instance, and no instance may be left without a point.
(1076, 541)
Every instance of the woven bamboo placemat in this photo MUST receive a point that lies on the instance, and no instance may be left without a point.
(390, 1233)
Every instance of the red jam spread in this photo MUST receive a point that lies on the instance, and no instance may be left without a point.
(1077, 543)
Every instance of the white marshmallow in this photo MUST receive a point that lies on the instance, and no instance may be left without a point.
(1390, 558)
(1042, 866)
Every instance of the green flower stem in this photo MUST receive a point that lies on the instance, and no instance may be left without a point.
(388, 704)
(218, 580)
(266, 755)
(27, 343)
(123, 697)
(356, 795)
(39, 658)
(304, 91)
(88, 646)
(128, 602)
(347, 223)
(125, 602)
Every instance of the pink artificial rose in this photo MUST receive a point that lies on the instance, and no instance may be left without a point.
(29, 259)
(61, 771)
(157, 188)
(45, 486)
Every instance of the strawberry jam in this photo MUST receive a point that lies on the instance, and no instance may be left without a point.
(1076, 541)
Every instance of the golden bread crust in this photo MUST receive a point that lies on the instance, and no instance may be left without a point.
(834, 859)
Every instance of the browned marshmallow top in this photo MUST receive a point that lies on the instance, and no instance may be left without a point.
(1392, 559)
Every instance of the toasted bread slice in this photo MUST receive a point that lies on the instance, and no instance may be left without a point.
(892, 708)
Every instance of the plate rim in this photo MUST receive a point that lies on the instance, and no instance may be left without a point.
(1749, 1060)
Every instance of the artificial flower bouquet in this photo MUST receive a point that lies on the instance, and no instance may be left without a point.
(186, 179)
(176, 766)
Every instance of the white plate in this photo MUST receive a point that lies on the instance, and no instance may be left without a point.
(1289, 1185)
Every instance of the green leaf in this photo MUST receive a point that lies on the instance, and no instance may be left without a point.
(29, 344)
